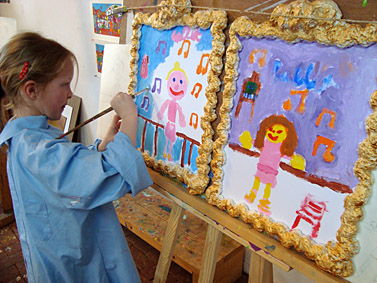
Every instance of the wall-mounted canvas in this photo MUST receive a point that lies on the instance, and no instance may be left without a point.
(106, 24)
(296, 142)
(100, 48)
(178, 55)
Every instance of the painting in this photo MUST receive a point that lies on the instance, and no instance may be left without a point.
(178, 56)
(104, 22)
(99, 56)
(296, 142)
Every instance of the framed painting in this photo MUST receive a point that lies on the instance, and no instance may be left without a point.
(297, 142)
(178, 56)
(105, 24)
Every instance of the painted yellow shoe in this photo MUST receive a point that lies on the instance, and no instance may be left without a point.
(251, 197)
(264, 207)
(164, 154)
(169, 157)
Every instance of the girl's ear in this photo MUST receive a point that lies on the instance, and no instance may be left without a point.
(30, 89)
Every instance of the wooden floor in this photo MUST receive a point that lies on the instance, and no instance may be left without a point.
(12, 268)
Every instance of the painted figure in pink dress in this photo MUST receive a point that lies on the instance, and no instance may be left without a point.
(177, 86)
(276, 139)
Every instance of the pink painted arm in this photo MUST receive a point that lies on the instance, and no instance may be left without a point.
(182, 121)
(160, 113)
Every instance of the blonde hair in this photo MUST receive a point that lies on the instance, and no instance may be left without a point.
(45, 58)
(177, 67)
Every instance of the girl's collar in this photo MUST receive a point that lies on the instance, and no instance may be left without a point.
(16, 125)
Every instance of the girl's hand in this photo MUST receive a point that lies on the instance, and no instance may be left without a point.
(125, 107)
(298, 162)
(110, 133)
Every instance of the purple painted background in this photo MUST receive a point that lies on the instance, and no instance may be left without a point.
(339, 79)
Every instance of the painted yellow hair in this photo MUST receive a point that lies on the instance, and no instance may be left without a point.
(177, 67)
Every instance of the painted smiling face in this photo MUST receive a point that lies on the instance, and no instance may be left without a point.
(177, 84)
(276, 133)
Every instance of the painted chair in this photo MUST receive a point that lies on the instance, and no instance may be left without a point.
(312, 212)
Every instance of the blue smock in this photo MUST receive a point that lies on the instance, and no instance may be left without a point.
(62, 196)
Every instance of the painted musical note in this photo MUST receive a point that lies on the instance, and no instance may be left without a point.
(287, 105)
(331, 113)
(327, 155)
(145, 103)
(185, 54)
(195, 124)
(155, 85)
(301, 107)
(159, 47)
(199, 85)
(262, 60)
(200, 68)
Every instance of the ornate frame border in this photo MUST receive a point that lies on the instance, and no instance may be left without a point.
(172, 14)
(304, 23)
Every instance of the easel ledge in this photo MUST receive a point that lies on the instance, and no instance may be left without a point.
(261, 269)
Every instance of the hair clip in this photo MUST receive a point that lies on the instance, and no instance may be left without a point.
(24, 70)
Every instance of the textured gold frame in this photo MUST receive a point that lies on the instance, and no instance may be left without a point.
(304, 23)
(177, 13)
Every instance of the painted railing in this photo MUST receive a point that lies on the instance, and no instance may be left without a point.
(185, 138)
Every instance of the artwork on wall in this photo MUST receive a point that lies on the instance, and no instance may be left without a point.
(296, 138)
(106, 28)
(104, 22)
(178, 55)
(99, 56)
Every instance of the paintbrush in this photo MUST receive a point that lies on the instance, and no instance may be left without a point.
(100, 114)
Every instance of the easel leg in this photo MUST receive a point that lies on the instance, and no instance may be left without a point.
(260, 270)
(211, 250)
(168, 244)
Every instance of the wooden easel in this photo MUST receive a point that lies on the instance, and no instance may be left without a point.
(272, 251)
(221, 223)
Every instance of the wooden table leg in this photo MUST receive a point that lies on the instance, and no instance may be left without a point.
(168, 244)
(211, 250)
(261, 270)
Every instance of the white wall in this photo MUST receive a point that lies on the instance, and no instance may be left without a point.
(70, 23)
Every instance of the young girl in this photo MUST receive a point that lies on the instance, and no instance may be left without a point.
(62, 192)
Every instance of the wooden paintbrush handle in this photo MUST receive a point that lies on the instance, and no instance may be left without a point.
(107, 110)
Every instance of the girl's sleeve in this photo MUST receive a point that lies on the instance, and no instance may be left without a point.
(134, 169)
(95, 145)
(85, 179)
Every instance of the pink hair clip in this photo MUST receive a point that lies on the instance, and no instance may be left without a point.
(24, 70)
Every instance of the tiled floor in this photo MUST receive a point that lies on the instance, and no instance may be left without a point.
(12, 268)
